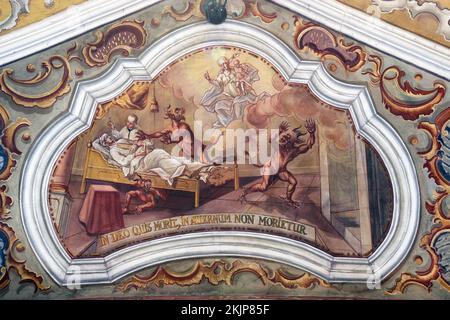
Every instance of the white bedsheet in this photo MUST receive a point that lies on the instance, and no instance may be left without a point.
(157, 161)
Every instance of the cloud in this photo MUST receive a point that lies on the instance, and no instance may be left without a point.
(186, 82)
(301, 104)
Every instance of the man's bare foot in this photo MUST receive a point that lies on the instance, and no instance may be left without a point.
(292, 203)
(295, 204)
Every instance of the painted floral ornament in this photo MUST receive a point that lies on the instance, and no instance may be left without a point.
(215, 11)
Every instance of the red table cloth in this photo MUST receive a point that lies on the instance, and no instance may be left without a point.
(101, 211)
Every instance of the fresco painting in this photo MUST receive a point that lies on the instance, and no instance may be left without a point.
(158, 161)
(213, 142)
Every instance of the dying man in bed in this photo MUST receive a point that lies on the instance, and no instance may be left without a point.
(121, 152)
(140, 157)
(120, 147)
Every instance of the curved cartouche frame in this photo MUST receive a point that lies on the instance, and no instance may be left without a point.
(87, 95)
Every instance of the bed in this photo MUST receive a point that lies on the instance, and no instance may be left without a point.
(96, 167)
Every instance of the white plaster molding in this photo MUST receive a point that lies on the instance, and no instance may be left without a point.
(42, 156)
(92, 14)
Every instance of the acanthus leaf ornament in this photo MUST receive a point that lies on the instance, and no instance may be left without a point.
(399, 96)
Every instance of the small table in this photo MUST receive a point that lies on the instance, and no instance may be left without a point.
(101, 211)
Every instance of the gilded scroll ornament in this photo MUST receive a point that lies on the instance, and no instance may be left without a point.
(6, 164)
(326, 45)
(434, 271)
(253, 8)
(8, 132)
(191, 9)
(238, 10)
(218, 272)
(436, 242)
(9, 244)
(10, 251)
(400, 97)
(44, 100)
(121, 39)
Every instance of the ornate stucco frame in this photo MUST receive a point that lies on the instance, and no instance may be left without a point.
(45, 151)
(375, 32)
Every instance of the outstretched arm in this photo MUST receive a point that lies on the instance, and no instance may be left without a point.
(157, 134)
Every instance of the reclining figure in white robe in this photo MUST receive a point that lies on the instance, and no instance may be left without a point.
(141, 157)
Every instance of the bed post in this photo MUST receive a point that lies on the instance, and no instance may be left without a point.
(86, 169)
(197, 194)
(236, 177)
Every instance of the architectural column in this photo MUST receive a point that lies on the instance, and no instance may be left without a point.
(60, 198)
